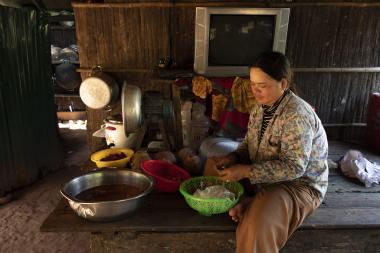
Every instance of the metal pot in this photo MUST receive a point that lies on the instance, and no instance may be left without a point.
(216, 146)
(131, 108)
(67, 77)
(98, 90)
(106, 210)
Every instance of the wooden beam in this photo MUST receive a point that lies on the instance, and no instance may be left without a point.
(339, 70)
(297, 70)
(221, 4)
(345, 125)
(117, 70)
(123, 5)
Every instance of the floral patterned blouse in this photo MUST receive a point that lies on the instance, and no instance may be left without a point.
(293, 147)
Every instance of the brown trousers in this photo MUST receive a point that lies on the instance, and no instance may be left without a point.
(272, 215)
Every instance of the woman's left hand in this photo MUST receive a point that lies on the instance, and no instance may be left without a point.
(235, 172)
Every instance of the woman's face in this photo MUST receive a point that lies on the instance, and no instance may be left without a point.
(266, 89)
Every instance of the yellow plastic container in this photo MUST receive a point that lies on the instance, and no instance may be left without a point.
(121, 163)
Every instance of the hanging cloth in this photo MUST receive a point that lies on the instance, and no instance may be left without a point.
(242, 96)
(219, 103)
(201, 86)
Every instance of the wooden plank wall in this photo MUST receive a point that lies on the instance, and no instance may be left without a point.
(132, 37)
(340, 37)
(121, 38)
(336, 37)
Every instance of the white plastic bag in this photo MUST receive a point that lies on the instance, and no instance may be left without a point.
(215, 191)
(355, 165)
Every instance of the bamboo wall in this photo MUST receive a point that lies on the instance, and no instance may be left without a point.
(130, 38)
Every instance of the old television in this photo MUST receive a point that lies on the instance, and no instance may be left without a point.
(227, 40)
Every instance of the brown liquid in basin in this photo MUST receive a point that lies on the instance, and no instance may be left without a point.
(109, 193)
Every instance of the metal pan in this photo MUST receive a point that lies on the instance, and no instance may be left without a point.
(107, 210)
(67, 77)
(131, 108)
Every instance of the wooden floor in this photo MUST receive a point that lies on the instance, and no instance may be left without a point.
(348, 221)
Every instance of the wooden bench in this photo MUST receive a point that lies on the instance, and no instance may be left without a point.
(347, 221)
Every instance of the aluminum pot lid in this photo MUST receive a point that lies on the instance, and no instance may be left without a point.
(95, 92)
(131, 108)
(114, 119)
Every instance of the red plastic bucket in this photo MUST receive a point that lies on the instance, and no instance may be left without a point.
(167, 177)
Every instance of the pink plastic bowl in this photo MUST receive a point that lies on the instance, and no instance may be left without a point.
(167, 177)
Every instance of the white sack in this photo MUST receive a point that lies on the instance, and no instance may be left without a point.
(355, 165)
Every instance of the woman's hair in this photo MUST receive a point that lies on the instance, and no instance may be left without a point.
(276, 65)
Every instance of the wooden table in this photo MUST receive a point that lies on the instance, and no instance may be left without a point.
(166, 224)
(348, 221)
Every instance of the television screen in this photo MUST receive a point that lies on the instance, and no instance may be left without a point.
(236, 40)
(228, 40)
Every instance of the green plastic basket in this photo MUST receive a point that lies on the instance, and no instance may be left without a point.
(209, 206)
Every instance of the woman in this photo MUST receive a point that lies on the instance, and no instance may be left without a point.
(284, 154)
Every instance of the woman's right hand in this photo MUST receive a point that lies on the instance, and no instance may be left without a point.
(224, 161)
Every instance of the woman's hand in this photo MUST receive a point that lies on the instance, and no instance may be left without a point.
(235, 172)
(224, 161)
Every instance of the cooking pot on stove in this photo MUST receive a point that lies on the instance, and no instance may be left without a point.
(99, 89)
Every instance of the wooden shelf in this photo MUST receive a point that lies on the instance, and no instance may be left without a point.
(59, 18)
(59, 62)
(81, 70)
(61, 27)
(76, 115)
(161, 74)
(60, 95)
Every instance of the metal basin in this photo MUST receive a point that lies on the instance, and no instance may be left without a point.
(107, 210)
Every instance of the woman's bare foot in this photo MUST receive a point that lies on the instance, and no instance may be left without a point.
(237, 211)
